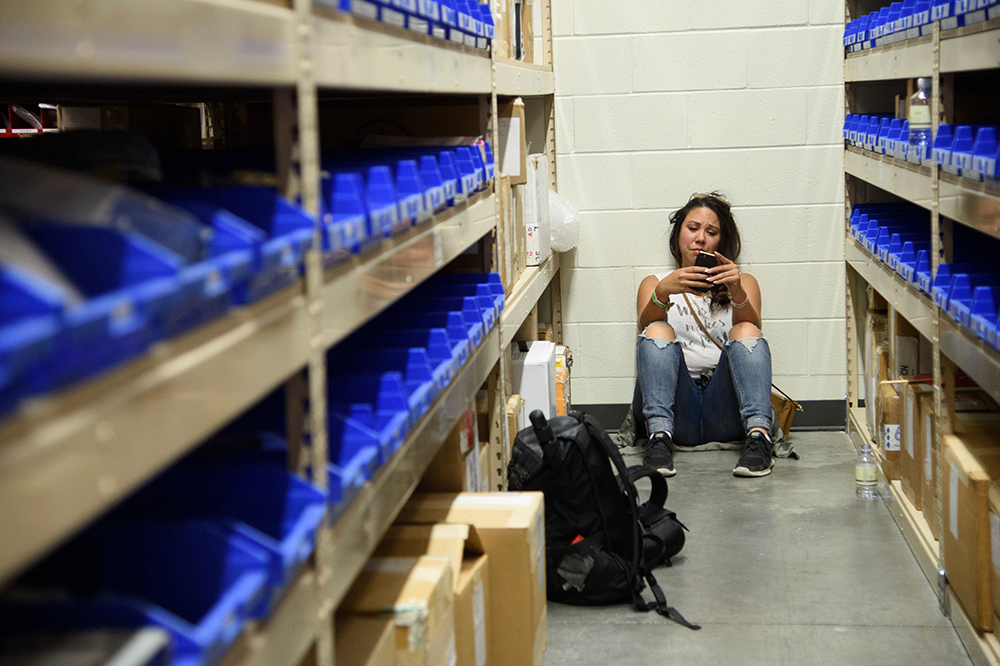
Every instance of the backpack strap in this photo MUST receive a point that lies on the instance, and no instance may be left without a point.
(638, 561)
(658, 491)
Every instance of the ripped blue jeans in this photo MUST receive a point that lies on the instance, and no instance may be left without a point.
(736, 399)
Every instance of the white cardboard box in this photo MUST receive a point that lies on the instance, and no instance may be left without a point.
(533, 373)
(536, 211)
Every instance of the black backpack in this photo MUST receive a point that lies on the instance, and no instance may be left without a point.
(600, 543)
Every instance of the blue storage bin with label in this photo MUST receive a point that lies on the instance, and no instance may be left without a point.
(983, 313)
(364, 8)
(31, 311)
(963, 287)
(264, 502)
(906, 262)
(473, 313)
(198, 580)
(287, 228)
(386, 395)
(481, 292)
(492, 281)
(943, 279)
(941, 151)
(130, 283)
(961, 151)
(346, 216)
(413, 365)
(442, 354)
(896, 242)
(984, 153)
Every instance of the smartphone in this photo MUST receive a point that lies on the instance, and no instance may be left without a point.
(705, 260)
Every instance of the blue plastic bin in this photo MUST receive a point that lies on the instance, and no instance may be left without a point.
(199, 581)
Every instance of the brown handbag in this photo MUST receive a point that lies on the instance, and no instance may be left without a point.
(784, 406)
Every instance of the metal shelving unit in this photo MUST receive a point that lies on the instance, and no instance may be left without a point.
(968, 203)
(65, 459)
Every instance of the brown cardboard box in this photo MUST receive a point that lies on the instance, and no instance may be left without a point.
(888, 442)
(364, 640)
(564, 361)
(501, 18)
(512, 153)
(455, 468)
(484, 467)
(932, 462)
(419, 594)
(876, 345)
(472, 598)
(509, 242)
(515, 418)
(520, 233)
(995, 547)
(970, 461)
(911, 450)
(527, 30)
(511, 528)
(453, 542)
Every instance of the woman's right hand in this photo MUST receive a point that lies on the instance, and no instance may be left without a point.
(684, 281)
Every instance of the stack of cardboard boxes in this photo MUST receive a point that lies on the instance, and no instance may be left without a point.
(517, 23)
(458, 581)
(967, 466)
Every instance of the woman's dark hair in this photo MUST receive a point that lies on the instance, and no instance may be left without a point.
(729, 237)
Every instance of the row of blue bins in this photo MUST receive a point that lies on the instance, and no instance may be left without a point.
(382, 379)
(909, 19)
(209, 545)
(141, 267)
(969, 151)
(967, 289)
(459, 21)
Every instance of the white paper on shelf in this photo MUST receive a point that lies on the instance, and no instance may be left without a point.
(509, 131)
(909, 425)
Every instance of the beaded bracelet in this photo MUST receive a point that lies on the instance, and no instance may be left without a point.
(656, 302)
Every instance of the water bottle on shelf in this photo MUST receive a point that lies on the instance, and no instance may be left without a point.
(920, 120)
(866, 473)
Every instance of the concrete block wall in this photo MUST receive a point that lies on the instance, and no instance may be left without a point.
(657, 99)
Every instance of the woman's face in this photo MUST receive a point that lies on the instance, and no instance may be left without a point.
(699, 233)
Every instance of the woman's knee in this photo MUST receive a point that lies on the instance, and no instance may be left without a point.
(744, 329)
(660, 329)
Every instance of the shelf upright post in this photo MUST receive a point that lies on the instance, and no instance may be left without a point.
(936, 341)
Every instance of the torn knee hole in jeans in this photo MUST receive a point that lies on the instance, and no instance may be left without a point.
(749, 343)
(661, 343)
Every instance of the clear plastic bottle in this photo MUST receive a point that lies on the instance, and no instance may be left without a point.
(866, 473)
(920, 120)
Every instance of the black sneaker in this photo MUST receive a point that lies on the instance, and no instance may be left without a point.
(757, 458)
(659, 454)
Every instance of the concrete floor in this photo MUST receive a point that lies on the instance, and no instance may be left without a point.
(788, 569)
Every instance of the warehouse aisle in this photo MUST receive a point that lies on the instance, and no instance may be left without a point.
(790, 569)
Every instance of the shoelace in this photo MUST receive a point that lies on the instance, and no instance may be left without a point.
(756, 443)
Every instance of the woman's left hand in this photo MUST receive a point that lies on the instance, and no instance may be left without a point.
(727, 273)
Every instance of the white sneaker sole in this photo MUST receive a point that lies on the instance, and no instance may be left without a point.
(744, 472)
(666, 472)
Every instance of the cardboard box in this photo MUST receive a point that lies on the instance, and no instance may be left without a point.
(455, 468)
(932, 462)
(509, 243)
(995, 548)
(564, 361)
(511, 528)
(364, 641)
(471, 603)
(418, 592)
(484, 467)
(537, 223)
(534, 376)
(875, 361)
(914, 352)
(970, 462)
(520, 232)
(452, 542)
(501, 20)
(527, 31)
(911, 451)
(888, 442)
(512, 153)
(516, 418)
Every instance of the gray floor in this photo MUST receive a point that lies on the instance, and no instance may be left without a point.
(788, 569)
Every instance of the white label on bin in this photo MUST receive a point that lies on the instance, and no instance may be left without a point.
(890, 437)
(953, 501)
(928, 449)
(479, 622)
(365, 9)
(909, 428)
(995, 539)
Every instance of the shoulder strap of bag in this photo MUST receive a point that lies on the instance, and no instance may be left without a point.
(660, 603)
(658, 490)
(704, 330)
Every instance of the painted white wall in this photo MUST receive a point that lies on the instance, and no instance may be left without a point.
(656, 99)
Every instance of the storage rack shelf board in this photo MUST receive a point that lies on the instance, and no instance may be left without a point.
(286, 636)
(887, 173)
(75, 454)
(524, 294)
(972, 355)
(354, 53)
(182, 41)
(971, 48)
(516, 79)
(903, 296)
(356, 533)
(973, 204)
(367, 284)
(895, 61)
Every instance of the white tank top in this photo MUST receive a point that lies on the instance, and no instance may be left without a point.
(699, 352)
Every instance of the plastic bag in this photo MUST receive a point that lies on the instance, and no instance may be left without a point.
(564, 229)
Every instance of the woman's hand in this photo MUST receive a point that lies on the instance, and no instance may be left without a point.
(683, 281)
(728, 273)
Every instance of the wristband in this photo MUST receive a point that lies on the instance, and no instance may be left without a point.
(656, 302)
